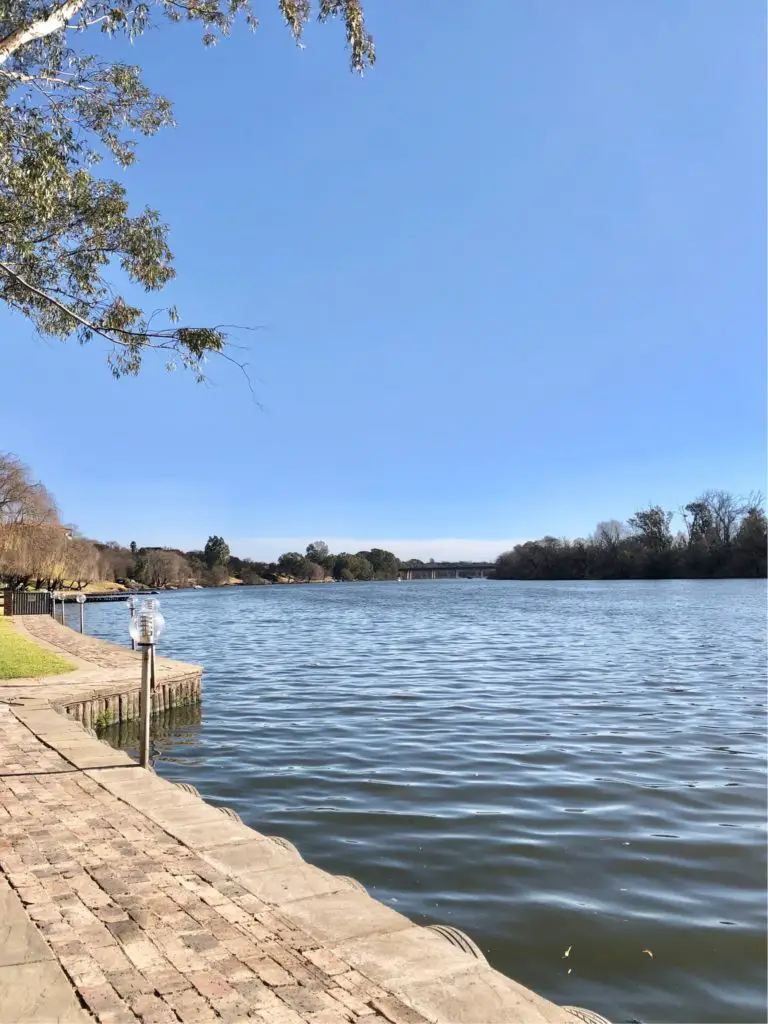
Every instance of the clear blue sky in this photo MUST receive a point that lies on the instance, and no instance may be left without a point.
(511, 282)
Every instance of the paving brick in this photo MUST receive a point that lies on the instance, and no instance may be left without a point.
(111, 914)
(101, 998)
(125, 930)
(143, 954)
(200, 941)
(305, 1000)
(166, 980)
(326, 961)
(129, 984)
(254, 990)
(211, 984)
(268, 971)
(111, 958)
(152, 1010)
(349, 1000)
(190, 1007)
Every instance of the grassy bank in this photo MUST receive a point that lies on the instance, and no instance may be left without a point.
(20, 658)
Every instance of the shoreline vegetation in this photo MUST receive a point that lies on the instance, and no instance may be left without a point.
(718, 536)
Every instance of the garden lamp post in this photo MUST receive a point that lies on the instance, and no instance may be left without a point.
(132, 612)
(81, 601)
(146, 628)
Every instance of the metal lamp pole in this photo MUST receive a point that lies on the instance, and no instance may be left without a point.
(146, 628)
(145, 703)
(81, 601)
(132, 612)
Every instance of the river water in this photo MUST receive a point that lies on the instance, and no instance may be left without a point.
(547, 766)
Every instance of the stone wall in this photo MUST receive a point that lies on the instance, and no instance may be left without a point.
(123, 704)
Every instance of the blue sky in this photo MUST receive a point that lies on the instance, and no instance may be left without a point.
(510, 283)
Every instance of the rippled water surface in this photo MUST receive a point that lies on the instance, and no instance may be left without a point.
(544, 765)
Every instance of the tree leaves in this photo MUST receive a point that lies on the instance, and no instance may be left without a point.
(63, 112)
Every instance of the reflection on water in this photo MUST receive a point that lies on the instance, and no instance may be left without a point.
(180, 726)
(543, 765)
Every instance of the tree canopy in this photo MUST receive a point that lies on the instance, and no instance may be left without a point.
(216, 552)
(723, 536)
(68, 234)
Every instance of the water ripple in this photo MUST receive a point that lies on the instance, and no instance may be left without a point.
(543, 765)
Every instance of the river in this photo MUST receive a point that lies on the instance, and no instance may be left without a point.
(547, 766)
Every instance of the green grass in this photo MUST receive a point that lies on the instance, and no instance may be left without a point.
(20, 658)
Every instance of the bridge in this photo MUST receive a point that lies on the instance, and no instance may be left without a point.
(451, 570)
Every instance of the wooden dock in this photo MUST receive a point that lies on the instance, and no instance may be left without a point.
(125, 898)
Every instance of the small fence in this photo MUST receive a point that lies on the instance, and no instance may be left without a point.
(27, 602)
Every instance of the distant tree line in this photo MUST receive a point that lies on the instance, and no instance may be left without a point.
(319, 563)
(721, 536)
(214, 565)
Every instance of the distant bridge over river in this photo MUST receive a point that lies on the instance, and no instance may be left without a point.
(451, 570)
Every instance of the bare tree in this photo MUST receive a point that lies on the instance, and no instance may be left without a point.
(158, 567)
(726, 511)
(83, 563)
(610, 533)
(22, 499)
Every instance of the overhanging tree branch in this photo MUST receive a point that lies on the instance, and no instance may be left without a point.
(68, 235)
(168, 339)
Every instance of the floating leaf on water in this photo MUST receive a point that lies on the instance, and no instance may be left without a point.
(650, 954)
(566, 953)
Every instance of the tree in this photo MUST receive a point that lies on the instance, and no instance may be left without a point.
(751, 541)
(253, 572)
(726, 512)
(318, 551)
(315, 571)
(117, 562)
(609, 533)
(218, 576)
(652, 525)
(83, 563)
(161, 567)
(292, 563)
(22, 499)
(384, 563)
(63, 109)
(699, 522)
(216, 552)
(352, 567)
(31, 537)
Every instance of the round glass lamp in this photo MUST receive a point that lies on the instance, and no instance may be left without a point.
(146, 627)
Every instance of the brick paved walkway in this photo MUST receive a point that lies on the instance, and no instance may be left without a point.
(146, 930)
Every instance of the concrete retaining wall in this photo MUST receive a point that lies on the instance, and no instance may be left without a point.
(123, 704)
